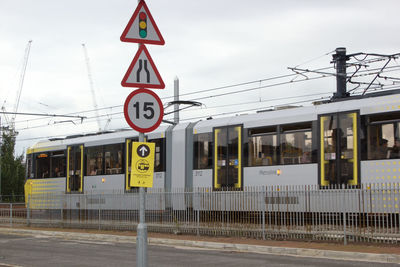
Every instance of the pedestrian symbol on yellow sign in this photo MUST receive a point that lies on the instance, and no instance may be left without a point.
(142, 164)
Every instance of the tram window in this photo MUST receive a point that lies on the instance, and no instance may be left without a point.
(94, 160)
(383, 136)
(202, 150)
(159, 157)
(29, 167)
(57, 160)
(296, 144)
(113, 158)
(382, 141)
(42, 165)
(263, 146)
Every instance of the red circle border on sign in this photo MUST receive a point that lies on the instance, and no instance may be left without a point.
(129, 121)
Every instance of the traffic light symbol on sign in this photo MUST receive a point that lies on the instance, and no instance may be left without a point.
(142, 25)
(142, 28)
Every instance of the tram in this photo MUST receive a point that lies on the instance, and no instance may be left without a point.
(347, 142)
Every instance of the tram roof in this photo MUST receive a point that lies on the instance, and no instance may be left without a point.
(367, 105)
(93, 139)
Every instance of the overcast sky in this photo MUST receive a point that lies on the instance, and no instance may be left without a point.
(208, 44)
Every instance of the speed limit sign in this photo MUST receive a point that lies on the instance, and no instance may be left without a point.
(143, 110)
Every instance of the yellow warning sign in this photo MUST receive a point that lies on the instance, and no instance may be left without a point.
(142, 164)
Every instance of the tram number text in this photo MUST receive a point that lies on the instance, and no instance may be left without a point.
(147, 107)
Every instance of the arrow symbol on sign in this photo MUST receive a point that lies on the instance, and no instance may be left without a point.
(143, 149)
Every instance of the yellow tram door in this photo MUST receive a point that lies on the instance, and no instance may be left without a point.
(228, 157)
(339, 149)
(128, 162)
(75, 168)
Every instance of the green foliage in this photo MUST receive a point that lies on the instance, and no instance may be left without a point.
(12, 169)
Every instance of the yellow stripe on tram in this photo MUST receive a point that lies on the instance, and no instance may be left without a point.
(216, 184)
(322, 159)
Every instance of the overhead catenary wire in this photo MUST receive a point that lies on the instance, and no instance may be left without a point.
(187, 119)
(255, 81)
(229, 86)
(90, 119)
(206, 97)
(207, 90)
(313, 59)
(203, 116)
(362, 73)
(247, 89)
(211, 115)
(242, 84)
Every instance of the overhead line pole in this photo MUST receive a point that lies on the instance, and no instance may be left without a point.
(176, 98)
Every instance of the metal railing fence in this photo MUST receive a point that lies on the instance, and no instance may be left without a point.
(369, 213)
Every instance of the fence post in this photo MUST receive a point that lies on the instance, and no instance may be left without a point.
(344, 228)
(28, 211)
(11, 215)
(99, 213)
(196, 204)
(62, 200)
(344, 217)
(263, 213)
(198, 221)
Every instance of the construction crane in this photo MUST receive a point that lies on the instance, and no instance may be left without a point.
(91, 86)
(11, 122)
(21, 83)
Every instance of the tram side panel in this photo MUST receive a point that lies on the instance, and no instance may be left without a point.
(104, 183)
(202, 178)
(381, 186)
(281, 175)
(178, 168)
(45, 193)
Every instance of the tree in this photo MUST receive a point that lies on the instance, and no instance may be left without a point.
(12, 168)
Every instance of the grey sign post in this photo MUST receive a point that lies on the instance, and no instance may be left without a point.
(143, 109)
(141, 240)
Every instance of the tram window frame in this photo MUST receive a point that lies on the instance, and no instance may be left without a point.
(93, 154)
(202, 151)
(113, 158)
(58, 160)
(159, 154)
(260, 157)
(383, 136)
(42, 169)
(292, 154)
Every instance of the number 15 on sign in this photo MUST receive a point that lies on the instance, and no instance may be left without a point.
(143, 110)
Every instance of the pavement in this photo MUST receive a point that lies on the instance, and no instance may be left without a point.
(385, 253)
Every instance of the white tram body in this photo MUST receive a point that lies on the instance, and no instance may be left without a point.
(349, 142)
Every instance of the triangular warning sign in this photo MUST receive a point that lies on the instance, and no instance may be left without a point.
(142, 72)
(141, 28)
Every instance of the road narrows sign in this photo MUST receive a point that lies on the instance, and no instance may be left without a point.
(142, 165)
(141, 28)
(143, 110)
(143, 72)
